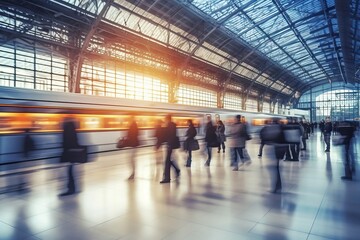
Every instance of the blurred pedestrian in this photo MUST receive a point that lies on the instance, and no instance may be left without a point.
(327, 133)
(210, 139)
(190, 138)
(273, 137)
(172, 142)
(220, 133)
(347, 130)
(70, 141)
(305, 134)
(321, 126)
(238, 136)
(297, 131)
(133, 142)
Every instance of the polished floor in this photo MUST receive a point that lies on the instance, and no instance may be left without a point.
(204, 203)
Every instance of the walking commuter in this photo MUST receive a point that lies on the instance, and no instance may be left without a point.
(70, 141)
(321, 127)
(28, 145)
(273, 137)
(172, 141)
(262, 143)
(159, 135)
(220, 133)
(236, 141)
(327, 133)
(293, 149)
(305, 134)
(133, 141)
(347, 130)
(190, 135)
(210, 139)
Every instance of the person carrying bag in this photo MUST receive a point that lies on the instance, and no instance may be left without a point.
(190, 143)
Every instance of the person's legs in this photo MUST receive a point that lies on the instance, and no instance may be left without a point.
(327, 141)
(176, 167)
(278, 184)
(132, 162)
(188, 162)
(234, 157)
(241, 154)
(294, 152)
(288, 155)
(261, 149)
(223, 146)
(71, 182)
(167, 165)
(209, 156)
(347, 165)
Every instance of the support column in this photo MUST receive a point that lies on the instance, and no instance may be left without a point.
(243, 102)
(220, 99)
(173, 86)
(260, 103)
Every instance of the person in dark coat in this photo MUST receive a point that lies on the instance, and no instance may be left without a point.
(190, 135)
(273, 137)
(171, 142)
(238, 136)
(327, 133)
(220, 132)
(159, 134)
(347, 130)
(70, 141)
(133, 141)
(210, 139)
(293, 150)
(321, 127)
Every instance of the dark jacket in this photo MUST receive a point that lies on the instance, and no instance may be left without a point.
(191, 132)
(347, 132)
(132, 136)
(273, 134)
(70, 139)
(220, 132)
(170, 136)
(210, 133)
(327, 128)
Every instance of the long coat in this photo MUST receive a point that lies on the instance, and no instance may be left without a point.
(237, 135)
(70, 139)
(220, 132)
(171, 136)
(133, 134)
(210, 133)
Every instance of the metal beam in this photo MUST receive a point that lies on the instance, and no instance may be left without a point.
(298, 35)
(338, 59)
(74, 83)
(344, 23)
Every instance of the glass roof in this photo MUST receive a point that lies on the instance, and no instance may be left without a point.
(290, 33)
(281, 45)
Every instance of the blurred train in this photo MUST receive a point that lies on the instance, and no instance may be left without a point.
(101, 120)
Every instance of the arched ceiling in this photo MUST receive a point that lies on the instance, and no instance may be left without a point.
(280, 47)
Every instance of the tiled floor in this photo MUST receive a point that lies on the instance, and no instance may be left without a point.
(205, 203)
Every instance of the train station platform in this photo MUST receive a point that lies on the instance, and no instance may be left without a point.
(204, 203)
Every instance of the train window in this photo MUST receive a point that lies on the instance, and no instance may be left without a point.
(259, 122)
(45, 122)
